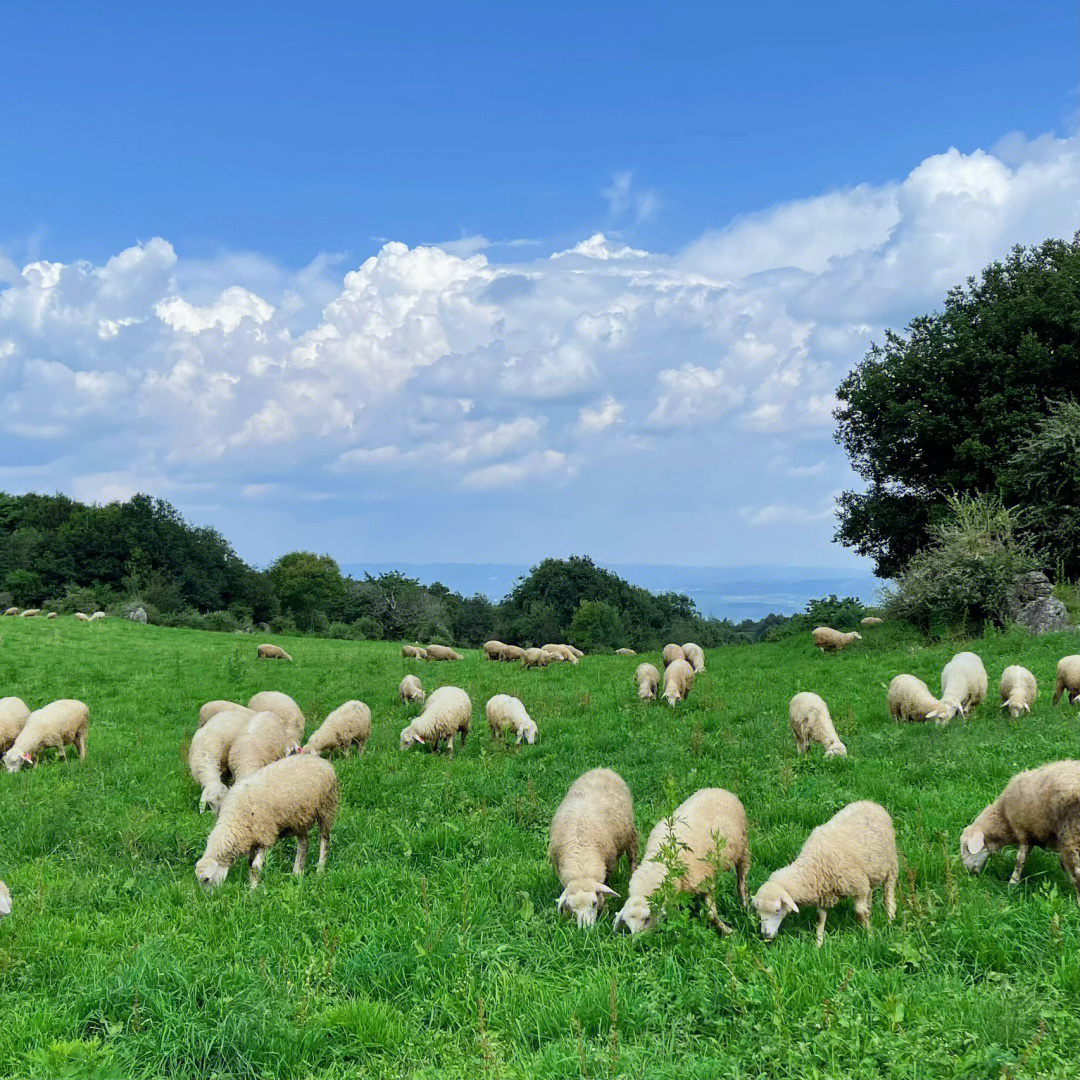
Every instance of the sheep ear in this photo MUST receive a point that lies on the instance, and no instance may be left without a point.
(605, 890)
(790, 902)
(418, 738)
(1005, 705)
(976, 842)
(1027, 707)
(561, 902)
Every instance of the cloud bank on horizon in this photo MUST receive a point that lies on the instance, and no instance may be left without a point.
(602, 398)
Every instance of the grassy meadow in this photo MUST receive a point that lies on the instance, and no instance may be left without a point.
(432, 948)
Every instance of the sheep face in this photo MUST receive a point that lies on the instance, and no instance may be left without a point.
(584, 900)
(5, 900)
(1016, 709)
(14, 760)
(212, 797)
(210, 872)
(773, 903)
(528, 733)
(637, 915)
(945, 712)
(973, 849)
(409, 738)
(836, 749)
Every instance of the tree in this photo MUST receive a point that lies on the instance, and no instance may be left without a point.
(944, 409)
(595, 626)
(308, 586)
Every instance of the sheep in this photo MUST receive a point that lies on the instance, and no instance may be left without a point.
(710, 817)
(448, 710)
(678, 681)
(591, 829)
(1038, 808)
(30, 613)
(1068, 679)
(276, 702)
(13, 717)
(646, 678)
(576, 651)
(413, 652)
(536, 658)
(695, 656)
(673, 652)
(62, 723)
(493, 649)
(829, 640)
(850, 855)
(264, 738)
(505, 712)
(871, 620)
(963, 684)
(1018, 690)
(347, 726)
(208, 755)
(411, 689)
(511, 653)
(219, 705)
(5, 901)
(441, 652)
(82, 616)
(272, 652)
(286, 798)
(625, 652)
(910, 699)
(810, 722)
(563, 652)
(97, 615)
(52, 615)
(12, 611)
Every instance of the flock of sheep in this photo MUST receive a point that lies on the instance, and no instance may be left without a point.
(33, 613)
(263, 783)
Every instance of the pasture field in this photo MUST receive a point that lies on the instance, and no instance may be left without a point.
(432, 948)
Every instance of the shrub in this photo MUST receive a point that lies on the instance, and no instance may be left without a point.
(596, 626)
(342, 631)
(368, 628)
(221, 620)
(282, 624)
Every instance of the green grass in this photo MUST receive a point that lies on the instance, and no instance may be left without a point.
(431, 948)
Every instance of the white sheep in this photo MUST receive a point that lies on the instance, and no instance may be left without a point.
(493, 649)
(909, 698)
(810, 722)
(441, 652)
(61, 724)
(1018, 690)
(264, 738)
(287, 798)
(276, 702)
(81, 616)
(347, 726)
(564, 652)
(209, 710)
(413, 652)
(829, 640)
(411, 689)
(12, 611)
(272, 652)
(30, 613)
(678, 681)
(709, 817)
(52, 615)
(591, 829)
(625, 652)
(1038, 808)
(672, 652)
(448, 711)
(537, 658)
(97, 615)
(963, 684)
(695, 656)
(208, 755)
(576, 651)
(850, 855)
(647, 679)
(13, 717)
(871, 620)
(510, 653)
(1068, 679)
(5, 901)
(508, 713)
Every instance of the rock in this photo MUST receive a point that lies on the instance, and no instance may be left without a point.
(137, 615)
(1033, 605)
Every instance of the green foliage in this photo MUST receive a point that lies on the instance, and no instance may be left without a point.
(596, 627)
(831, 611)
(308, 586)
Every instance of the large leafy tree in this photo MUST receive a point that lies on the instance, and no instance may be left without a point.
(943, 409)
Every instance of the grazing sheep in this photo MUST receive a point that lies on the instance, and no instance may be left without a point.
(829, 640)
(208, 755)
(678, 681)
(1038, 808)
(61, 724)
(510, 653)
(576, 651)
(447, 712)
(695, 656)
(97, 615)
(286, 798)
(910, 699)
(276, 702)
(5, 901)
(536, 658)
(52, 615)
(592, 827)
(493, 649)
(709, 816)
(12, 611)
(647, 679)
(850, 855)
(963, 684)
(413, 652)
(871, 620)
(673, 652)
(625, 652)
(82, 616)
(264, 738)
(347, 726)
(1068, 679)
(441, 652)
(30, 613)
(219, 705)
(1018, 690)
(506, 712)
(13, 717)
(564, 652)
(810, 722)
(411, 689)
(272, 652)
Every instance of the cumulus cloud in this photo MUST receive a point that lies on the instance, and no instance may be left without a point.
(607, 412)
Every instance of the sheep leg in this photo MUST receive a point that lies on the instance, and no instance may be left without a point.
(324, 844)
(822, 915)
(890, 895)
(256, 867)
(464, 733)
(450, 746)
(302, 842)
(1022, 851)
(714, 916)
(862, 912)
(741, 871)
(80, 744)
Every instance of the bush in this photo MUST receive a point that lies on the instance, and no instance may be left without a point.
(282, 624)
(368, 628)
(841, 614)
(221, 620)
(342, 631)
(596, 626)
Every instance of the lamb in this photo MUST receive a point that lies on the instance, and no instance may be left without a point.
(5, 901)
(647, 678)
(413, 652)
(910, 699)
(347, 726)
(673, 652)
(963, 684)
(411, 689)
(1038, 808)
(276, 702)
(536, 658)
(97, 615)
(850, 855)
(219, 705)
(441, 652)
(591, 829)
(208, 755)
(286, 798)
(510, 653)
(1068, 679)
(625, 652)
(263, 739)
(829, 640)
(564, 652)
(61, 724)
(695, 656)
(810, 722)
(82, 616)
(678, 681)
(12, 611)
(506, 712)
(448, 711)
(871, 620)
(493, 649)
(30, 613)
(272, 652)
(52, 615)
(13, 717)
(1018, 690)
(710, 816)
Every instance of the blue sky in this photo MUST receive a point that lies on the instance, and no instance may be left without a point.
(614, 250)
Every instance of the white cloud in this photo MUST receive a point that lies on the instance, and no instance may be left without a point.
(624, 199)
(786, 514)
(607, 412)
(227, 312)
